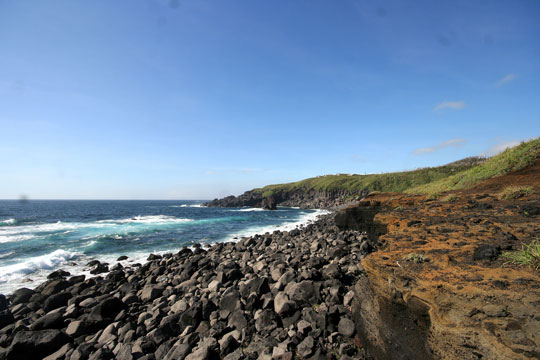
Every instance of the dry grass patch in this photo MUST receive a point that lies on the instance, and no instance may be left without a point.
(515, 192)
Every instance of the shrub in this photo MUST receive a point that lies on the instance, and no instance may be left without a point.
(514, 192)
(529, 255)
(450, 198)
(416, 258)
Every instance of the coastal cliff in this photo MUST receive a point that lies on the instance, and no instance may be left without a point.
(335, 191)
(439, 286)
(396, 276)
(311, 199)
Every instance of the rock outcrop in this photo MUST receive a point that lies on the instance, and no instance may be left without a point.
(437, 288)
(309, 199)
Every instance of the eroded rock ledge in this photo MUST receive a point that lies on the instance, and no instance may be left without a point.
(437, 288)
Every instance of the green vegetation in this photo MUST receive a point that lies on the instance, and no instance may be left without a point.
(529, 255)
(515, 192)
(389, 182)
(433, 181)
(450, 198)
(416, 258)
(510, 160)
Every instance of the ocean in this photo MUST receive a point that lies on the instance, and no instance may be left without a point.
(40, 236)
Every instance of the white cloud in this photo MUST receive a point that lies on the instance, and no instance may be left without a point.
(500, 147)
(445, 144)
(505, 80)
(455, 105)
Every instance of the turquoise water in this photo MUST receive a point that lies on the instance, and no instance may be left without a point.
(37, 237)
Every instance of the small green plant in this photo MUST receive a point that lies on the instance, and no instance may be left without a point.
(515, 192)
(400, 208)
(416, 258)
(433, 196)
(529, 255)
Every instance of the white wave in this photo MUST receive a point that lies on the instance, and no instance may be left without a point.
(104, 227)
(15, 238)
(43, 262)
(90, 243)
(151, 219)
(26, 232)
(304, 219)
(7, 222)
(2, 256)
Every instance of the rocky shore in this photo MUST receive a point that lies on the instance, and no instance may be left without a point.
(283, 295)
(312, 199)
(438, 287)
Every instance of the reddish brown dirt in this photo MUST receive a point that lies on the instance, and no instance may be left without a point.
(453, 306)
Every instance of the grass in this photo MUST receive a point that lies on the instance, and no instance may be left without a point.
(513, 159)
(450, 198)
(515, 192)
(529, 255)
(359, 184)
(432, 181)
(416, 258)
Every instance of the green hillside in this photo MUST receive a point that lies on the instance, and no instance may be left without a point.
(516, 158)
(389, 182)
(460, 174)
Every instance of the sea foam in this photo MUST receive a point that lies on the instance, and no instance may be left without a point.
(151, 219)
(7, 222)
(43, 262)
(285, 226)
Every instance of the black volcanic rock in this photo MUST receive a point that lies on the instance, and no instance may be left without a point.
(308, 199)
(268, 203)
(262, 296)
(35, 344)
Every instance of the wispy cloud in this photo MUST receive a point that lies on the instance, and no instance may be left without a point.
(500, 147)
(455, 105)
(445, 144)
(505, 80)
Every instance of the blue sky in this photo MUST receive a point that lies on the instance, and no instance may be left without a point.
(156, 99)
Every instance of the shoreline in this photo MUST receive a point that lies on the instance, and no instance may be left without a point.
(275, 294)
(75, 262)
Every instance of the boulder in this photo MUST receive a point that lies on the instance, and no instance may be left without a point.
(486, 252)
(21, 295)
(76, 328)
(58, 274)
(304, 292)
(346, 327)
(6, 318)
(52, 320)
(283, 306)
(56, 300)
(35, 344)
(266, 320)
(151, 292)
